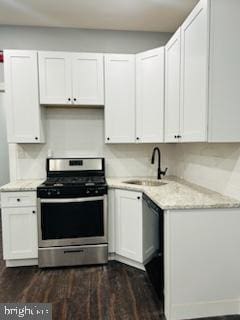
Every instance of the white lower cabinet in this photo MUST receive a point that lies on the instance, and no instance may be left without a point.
(129, 224)
(19, 228)
(202, 263)
(133, 233)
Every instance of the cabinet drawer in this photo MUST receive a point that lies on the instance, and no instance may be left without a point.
(18, 199)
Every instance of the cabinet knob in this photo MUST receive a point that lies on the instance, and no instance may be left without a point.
(138, 198)
(18, 200)
(34, 211)
(175, 137)
(108, 138)
(69, 99)
(74, 99)
(138, 138)
(36, 138)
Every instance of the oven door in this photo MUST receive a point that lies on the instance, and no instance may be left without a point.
(77, 221)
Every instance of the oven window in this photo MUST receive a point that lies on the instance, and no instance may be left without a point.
(72, 220)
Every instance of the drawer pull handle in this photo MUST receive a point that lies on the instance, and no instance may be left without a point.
(18, 200)
(73, 251)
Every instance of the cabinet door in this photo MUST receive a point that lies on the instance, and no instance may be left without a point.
(129, 224)
(22, 100)
(55, 78)
(87, 78)
(119, 98)
(19, 226)
(195, 54)
(172, 88)
(150, 95)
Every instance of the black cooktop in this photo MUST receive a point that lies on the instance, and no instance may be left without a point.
(74, 181)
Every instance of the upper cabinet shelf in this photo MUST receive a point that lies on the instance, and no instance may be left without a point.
(71, 78)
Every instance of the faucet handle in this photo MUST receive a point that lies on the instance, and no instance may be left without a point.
(164, 172)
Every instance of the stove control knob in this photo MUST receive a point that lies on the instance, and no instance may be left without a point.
(96, 191)
(88, 191)
(49, 193)
(58, 193)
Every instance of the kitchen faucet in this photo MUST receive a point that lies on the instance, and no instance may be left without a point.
(160, 172)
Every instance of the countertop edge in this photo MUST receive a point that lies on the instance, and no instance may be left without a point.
(233, 203)
(31, 186)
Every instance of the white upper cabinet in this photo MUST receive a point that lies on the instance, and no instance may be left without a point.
(186, 79)
(172, 88)
(119, 98)
(150, 95)
(25, 117)
(71, 78)
(87, 79)
(194, 73)
(55, 78)
(210, 75)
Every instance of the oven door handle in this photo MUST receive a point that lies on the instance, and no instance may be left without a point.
(69, 200)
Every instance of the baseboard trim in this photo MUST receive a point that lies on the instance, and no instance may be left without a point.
(205, 309)
(21, 262)
(129, 262)
(111, 256)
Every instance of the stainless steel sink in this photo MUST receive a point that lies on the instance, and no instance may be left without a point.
(147, 183)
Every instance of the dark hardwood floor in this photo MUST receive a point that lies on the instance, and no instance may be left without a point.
(111, 292)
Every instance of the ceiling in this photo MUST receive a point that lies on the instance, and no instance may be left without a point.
(135, 15)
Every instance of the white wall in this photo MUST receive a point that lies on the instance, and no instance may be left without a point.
(215, 166)
(68, 39)
(79, 132)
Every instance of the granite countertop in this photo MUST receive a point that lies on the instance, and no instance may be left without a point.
(178, 194)
(21, 185)
(175, 194)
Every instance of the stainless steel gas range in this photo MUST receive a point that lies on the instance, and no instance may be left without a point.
(72, 213)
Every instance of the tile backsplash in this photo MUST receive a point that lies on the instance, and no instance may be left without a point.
(212, 165)
(79, 132)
